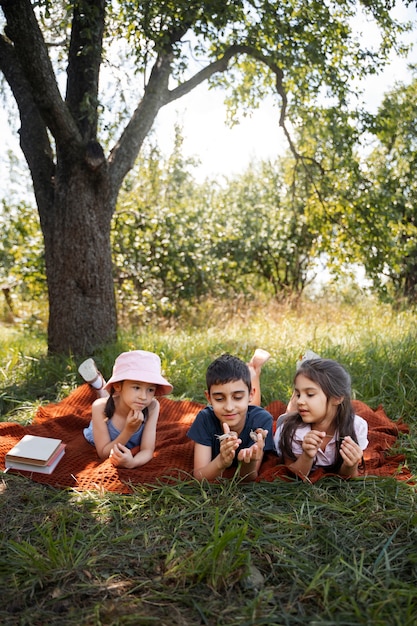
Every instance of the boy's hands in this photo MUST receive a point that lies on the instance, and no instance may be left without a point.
(228, 446)
(230, 443)
(255, 452)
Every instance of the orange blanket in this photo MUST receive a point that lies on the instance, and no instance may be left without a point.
(81, 469)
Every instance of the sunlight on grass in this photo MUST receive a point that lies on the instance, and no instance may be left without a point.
(376, 344)
(223, 554)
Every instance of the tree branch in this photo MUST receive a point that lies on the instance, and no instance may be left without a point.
(221, 65)
(158, 95)
(84, 60)
(30, 48)
(124, 153)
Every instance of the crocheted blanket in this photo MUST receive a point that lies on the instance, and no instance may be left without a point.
(81, 469)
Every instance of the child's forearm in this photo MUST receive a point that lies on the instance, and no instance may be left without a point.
(211, 471)
(301, 466)
(249, 471)
(349, 471)
(142, 457)
(105, 450)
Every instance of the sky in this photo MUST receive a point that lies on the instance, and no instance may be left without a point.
(221, 149)
(226, 151)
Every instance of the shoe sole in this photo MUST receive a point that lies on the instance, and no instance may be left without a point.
(88, 371)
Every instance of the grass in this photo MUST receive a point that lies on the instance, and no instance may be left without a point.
(227, 553)
(188, 554)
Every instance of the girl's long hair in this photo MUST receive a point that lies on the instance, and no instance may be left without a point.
(335, 382)
(110, 407)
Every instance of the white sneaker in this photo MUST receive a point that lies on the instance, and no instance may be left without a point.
(88, 371)
(307, 356)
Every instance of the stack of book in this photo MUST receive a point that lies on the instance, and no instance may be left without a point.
(36, 454)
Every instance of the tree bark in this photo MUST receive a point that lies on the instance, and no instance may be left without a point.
(82, 310)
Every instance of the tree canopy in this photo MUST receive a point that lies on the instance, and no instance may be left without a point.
(89, 78)
(388, 245)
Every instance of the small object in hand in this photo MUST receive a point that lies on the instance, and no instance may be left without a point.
(253, 435)
(226, 435)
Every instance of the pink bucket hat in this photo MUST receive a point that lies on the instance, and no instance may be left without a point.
(142, 366)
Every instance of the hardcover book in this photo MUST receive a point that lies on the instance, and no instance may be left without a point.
(33, 467)
(33, 450)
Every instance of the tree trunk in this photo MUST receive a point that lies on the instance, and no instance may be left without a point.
(78, 263)
(410, 277)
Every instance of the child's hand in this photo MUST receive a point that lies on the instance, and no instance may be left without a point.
(228, 446)
(134, 421)
(292, 404)
(121, 456)
(312, 442)
(259, 435)
(255, 452)
(153, 405)
(350, 452)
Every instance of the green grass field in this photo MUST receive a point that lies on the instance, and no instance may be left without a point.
(227, 553)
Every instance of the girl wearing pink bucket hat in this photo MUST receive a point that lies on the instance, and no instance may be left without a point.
(126, 415)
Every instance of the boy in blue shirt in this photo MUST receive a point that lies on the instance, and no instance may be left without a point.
(231, 430)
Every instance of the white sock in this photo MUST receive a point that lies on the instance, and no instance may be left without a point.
(98, 383)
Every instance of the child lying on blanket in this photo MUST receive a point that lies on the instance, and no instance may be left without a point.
(321, 429)
(126, 414)
(232, 428)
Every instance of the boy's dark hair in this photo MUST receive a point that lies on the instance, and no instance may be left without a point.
(335, 382)
(225, 369)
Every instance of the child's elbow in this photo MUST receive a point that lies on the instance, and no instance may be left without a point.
(198, 475)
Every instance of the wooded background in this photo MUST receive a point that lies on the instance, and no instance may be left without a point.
(121, 232)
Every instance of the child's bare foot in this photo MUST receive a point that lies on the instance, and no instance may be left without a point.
(255, 365)
(260, 357)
